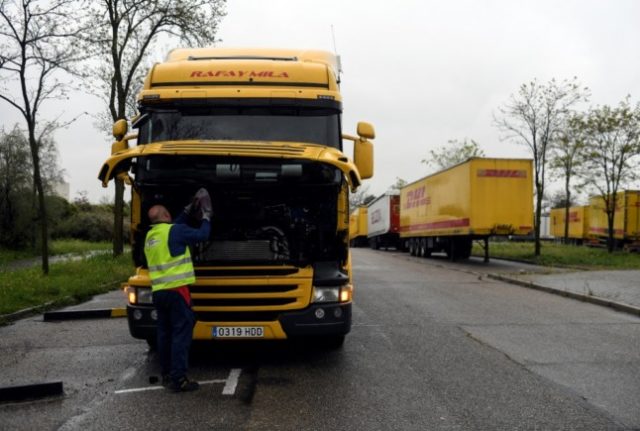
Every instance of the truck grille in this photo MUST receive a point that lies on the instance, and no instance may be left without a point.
(239, 251)
(241, 302)
(224, 148)
(249, 293)
(252, 316)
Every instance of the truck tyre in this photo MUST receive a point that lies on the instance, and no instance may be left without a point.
(152, 342)
(329, 342)
(412, 246)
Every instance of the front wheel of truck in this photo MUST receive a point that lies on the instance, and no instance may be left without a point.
(332, 342)
(152, 342)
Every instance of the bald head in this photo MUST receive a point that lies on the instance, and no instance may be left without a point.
(159, 214)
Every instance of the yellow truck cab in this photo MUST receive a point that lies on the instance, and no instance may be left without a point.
(261, 131)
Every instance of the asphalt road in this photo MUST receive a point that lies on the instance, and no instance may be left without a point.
(434, 346)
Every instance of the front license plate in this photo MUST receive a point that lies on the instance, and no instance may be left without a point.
(238, 331)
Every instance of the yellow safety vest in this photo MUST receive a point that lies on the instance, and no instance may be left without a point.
(166, 271)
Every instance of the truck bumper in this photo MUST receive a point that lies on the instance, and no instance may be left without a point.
(335, 320)
(315, 320)
(141, 321)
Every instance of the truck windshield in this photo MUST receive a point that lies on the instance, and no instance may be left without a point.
(309, 125)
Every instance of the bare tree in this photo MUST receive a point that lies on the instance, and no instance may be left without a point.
(123, 34)
(612, 154)
(399, 184)
(15, 181)
(534, 117)
(453, 153)
(565, 160)
(34, 50)
(361, 197)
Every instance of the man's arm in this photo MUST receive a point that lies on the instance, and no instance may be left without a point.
(182, 235)
(182, 218)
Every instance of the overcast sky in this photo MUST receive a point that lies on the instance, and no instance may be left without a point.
(422, 72)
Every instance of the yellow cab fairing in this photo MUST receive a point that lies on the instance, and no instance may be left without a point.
(243, 73)
(273, 150)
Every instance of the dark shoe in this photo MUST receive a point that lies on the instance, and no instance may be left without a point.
(166, 380)
(183, 385)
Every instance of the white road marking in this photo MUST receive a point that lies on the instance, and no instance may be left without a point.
(230, 384)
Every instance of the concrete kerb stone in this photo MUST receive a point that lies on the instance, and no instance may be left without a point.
(96, 313)
(12, 394)
(574, 295)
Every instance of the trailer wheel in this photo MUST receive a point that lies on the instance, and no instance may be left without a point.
(458, 248)
(423, 248)
(412, 246)
(464, 248)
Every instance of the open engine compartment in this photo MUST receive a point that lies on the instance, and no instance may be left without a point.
(265, 212)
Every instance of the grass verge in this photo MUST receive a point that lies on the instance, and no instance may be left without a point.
(67, 282)
(56, 247)
(65, 246)
(554, 254)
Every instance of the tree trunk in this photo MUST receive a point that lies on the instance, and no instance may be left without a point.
(567, 194)
(538, 218)
(610, 238)
(42, 210)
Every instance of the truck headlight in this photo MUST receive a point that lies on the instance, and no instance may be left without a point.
(144, 295)
(139, 295)
(332, 294)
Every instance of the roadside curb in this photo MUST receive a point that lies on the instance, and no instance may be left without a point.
(31, 311)
(6, 319)
(626, 308)
(30, 392)
(98, 313)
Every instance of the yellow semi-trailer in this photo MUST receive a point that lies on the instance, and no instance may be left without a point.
(578, 223)
(358, 227)
(261, 131)
(626, 221)
(475, 199)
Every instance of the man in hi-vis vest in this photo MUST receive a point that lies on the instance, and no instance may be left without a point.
(171, 273)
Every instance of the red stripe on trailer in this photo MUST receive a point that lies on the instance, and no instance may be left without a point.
(437, 225)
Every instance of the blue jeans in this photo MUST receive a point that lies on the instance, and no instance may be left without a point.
(175, 331)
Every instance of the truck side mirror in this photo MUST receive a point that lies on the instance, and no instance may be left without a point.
(365, 130)
(120, 129)
(363, 157)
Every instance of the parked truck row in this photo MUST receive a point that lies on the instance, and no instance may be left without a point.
(447, 211)
(587, 224)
